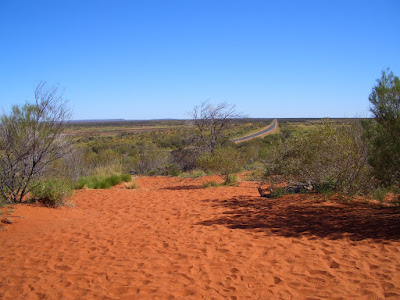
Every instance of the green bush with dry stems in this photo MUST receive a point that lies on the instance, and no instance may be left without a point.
(53, 192)
(101, 182)
(222, 161)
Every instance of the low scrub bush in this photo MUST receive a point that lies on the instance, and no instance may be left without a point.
(52, 192)
(173, 170)
(223, 161)
(102, 182)
(380, 194)
(232, 179)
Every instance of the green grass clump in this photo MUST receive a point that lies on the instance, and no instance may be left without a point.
(210, 184)
(52, 192)
(232, 179)
(102, 182)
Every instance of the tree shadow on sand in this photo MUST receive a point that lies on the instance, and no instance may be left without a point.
(301, 215)
(183, 188)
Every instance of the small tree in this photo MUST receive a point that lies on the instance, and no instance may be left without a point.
(384, 135)
(211, 123)
(385, 100)
(31, 139)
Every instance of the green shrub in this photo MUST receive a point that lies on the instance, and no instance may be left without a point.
(126, 177)
(223, 161)
(173, 170)
(384, 134)
(380, 194)
(330, 155)
(102, 182)
(232, 179)
(52, 192)
(327, 188)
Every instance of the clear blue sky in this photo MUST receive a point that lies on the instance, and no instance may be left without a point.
(158, 59)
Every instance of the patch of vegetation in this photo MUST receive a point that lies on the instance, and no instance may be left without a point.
(232, 179)
(333, 156)
(102, 182)
(380, 194)
(222, 161)
(210, 184)
(52, 192)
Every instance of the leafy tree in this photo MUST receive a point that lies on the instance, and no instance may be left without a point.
(384, 134)
(385, 100)
(31, 139)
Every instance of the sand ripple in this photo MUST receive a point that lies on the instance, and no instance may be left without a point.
(172, 239)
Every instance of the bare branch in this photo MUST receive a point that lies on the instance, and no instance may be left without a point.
(211, 122)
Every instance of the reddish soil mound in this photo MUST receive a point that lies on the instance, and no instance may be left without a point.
(173, 239)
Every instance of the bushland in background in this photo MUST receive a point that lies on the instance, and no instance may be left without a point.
(330, 155)
(152, 159)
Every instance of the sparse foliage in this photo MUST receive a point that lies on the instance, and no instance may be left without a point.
(31, 139)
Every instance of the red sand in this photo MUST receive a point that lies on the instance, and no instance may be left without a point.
(173, 239)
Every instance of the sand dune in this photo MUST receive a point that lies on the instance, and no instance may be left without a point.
(172, 239)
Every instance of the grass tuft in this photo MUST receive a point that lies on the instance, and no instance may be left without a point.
(52, 192)
(210, 184)
(101, 182)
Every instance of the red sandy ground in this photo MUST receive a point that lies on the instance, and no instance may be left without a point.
(173, 239)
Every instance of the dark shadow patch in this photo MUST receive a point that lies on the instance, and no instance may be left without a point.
(183, 187)
(299, 215)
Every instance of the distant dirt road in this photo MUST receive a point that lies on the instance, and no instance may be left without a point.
(263, 132)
